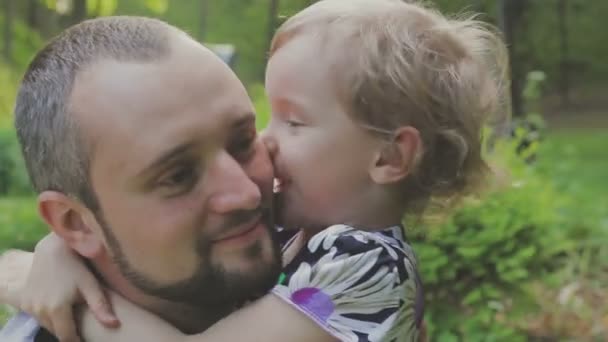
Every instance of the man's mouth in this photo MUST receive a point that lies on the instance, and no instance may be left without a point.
(244, 232)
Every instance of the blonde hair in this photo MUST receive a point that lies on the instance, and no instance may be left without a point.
(407, 64)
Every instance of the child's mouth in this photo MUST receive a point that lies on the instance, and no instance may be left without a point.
(277, 186)
(280, 184)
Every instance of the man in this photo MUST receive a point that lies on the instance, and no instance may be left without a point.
(142, 146)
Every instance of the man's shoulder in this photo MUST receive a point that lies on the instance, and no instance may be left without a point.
(24, 328)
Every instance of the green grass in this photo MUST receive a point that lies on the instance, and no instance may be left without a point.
(577, 161)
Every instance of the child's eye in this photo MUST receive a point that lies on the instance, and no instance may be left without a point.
(293, 124)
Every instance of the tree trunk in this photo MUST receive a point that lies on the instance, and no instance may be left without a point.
(273, 9)
(509, 13)
(79, 11)
(8, 30)
(564, 82)
(32, 18)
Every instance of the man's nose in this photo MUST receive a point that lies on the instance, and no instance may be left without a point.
(232, 188)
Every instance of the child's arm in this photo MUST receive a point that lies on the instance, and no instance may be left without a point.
(14, 268)
(46, 284)
(347, 286)
(268, 319)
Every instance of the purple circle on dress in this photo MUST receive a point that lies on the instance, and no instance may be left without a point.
(314, 301)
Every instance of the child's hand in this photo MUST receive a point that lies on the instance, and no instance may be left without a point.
(57, 281)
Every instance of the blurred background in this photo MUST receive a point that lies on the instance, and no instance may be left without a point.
(526, 262)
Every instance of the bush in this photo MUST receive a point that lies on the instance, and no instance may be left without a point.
(20, 225)
(477, 264)
(13, 175)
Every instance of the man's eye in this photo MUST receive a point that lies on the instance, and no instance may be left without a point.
(180, 179)
(243, 148)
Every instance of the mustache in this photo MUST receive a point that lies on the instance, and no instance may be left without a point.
(243, 217)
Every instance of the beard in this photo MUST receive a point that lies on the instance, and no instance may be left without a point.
(211, 286)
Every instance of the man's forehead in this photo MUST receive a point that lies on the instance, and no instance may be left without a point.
(122, 93)
(136, 112)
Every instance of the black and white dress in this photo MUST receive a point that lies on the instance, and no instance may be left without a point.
(357, 285)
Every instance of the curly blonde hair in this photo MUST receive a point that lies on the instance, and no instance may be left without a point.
(404, 63)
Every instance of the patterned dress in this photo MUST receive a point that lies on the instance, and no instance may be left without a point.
(357, 285)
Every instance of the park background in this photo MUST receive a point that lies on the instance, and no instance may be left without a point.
(528, 261)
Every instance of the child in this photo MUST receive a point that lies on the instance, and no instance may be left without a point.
(377, 111)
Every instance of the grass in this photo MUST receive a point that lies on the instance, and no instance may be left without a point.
(577, 161)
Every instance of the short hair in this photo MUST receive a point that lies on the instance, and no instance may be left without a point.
(56, 153)
(404, 63)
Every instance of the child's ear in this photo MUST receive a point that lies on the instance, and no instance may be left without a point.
(72, 222)
(394, 160)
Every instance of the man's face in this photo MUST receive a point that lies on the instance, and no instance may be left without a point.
(183, 183)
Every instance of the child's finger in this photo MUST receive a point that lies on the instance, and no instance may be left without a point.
(97, 301)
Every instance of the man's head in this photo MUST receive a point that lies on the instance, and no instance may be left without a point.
(142, 145)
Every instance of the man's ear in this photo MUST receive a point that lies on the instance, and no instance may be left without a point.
(71, 221)
(394, 160)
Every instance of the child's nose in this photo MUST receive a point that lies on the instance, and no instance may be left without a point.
(270, 142)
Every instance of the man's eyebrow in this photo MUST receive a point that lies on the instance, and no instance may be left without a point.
(166, 158)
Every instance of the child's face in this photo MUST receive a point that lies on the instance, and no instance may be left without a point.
(321, 156)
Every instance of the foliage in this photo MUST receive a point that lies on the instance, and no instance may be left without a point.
(5, 313)
(13, 176)
(261, 105)
(535, 229)
(245, 24)
(499, 267)
(105, 7)
(7, 95)
(21, 227)
(476, 264)
(568, 308)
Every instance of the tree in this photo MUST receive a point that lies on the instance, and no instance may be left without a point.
(273, 9)
(564, 65)
(510, 18)
(32, 16)
(79, 11)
